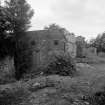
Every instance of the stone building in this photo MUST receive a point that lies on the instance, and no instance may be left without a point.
(80, 42)
(45, 43)
(71, 44)
(7, 70)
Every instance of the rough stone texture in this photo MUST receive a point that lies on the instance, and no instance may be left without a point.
(6, 69)
(80, 42)
(71, 44)
(71, 49)
(46, 43)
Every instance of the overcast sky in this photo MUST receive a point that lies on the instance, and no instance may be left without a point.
(83, 17)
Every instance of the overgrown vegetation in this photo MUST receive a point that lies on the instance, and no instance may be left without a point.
(97, 98)
(99, 42)
(62, 65)
(15, 18)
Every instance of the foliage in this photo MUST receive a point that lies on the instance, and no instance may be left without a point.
(97, 98)
(56, 27)
(6, 43)
(14, 21)
(63, 30)
(61, 65)
(53, 27)
(99, 43)
(19, 15)
(5, 24)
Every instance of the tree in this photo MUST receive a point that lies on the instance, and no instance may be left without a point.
(6, 45)
(21, 14)
(18, 14)
(54, 26)
(99, 43)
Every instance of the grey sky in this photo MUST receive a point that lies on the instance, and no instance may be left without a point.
(83, 17)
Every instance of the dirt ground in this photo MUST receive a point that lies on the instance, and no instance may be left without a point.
(60, 90)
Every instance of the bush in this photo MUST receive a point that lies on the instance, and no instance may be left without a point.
(97, 98)
(62, 65)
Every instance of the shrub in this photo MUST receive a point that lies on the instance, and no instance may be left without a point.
(62, 65)
(97, 98)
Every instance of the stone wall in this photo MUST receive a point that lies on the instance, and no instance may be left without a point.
(45, 43)
(7, 67)
(80, 43)
(71, 45)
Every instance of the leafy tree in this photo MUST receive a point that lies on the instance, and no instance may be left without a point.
(53, 27)
(6, 45)
(99, 43)
(17, 14)
(20, 14)
(63, 30)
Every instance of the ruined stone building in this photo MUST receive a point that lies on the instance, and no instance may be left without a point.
(80, 42)
(43, 44)
(7, 70)
(47, 42)
(71, 44)
(82, 50)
